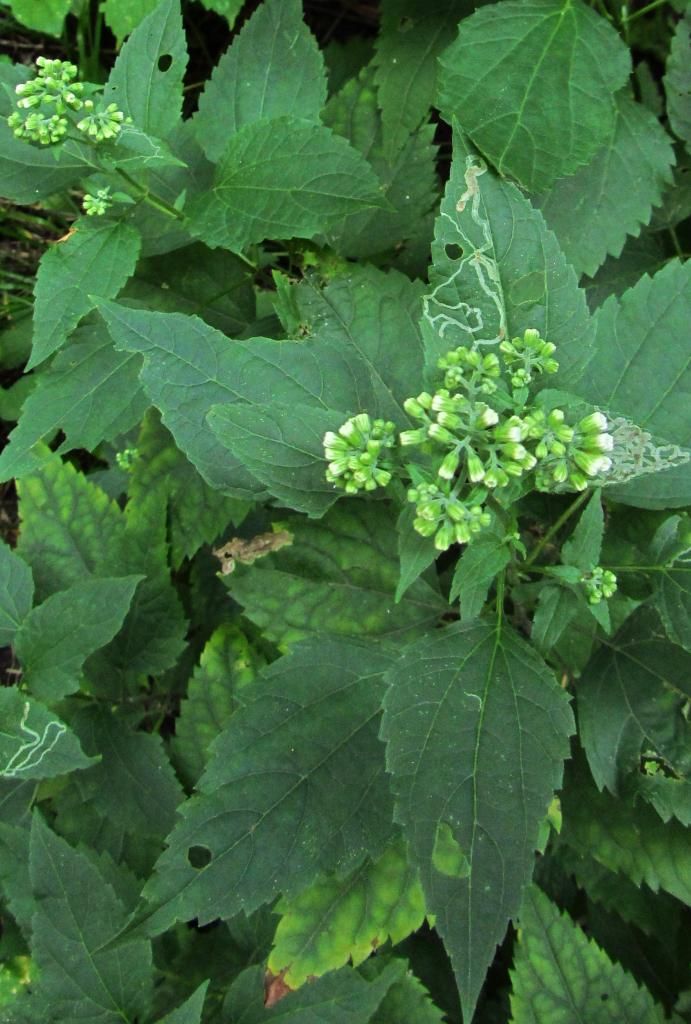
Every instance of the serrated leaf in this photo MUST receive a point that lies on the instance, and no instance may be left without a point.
(190, 1012)
(628, 839)
(146, 80)
(592, 211)
(289, 79)
(196, 514)
(227, 666)
(642, 255)
(337, 577)
(582, 549)
(407, 1000)
(677, 80)
(77, 913)
(35, 743)
(556, 609)
(340, 919)
(228, 8)
(282, 446)
(415, 553)
(484, 697)
(283, 178)
(497, 270)
(70, 529)
(672, 580)
(353, 356)
(343, 997)
(133, 790)
(16, 593)
(507, 58)
(296, 785)
(412, 34)
(407, 175)
(29, 173)
(89, 391)
(57, 636)
(556, 966)
(477, 567)
(630, 711)
(626, 376)
(95, 260)
(214, 285)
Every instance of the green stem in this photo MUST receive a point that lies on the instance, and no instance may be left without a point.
(554, 529)
(643, 10)
(148, 197)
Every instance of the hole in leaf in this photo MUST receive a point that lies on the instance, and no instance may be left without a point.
(164, 61)
(604, 997)
(453, 250)
(405, 24)
(199, 856)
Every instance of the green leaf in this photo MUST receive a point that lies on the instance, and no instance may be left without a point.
(197, 514)
(337, 577)
(190, 1012)
(343, 997)
(474, 690)
(678, 80)
(507, 58)
(95, 260)
(339, 919)
(497, 271)
(630, 711)
(626, 377)
(89, 391)
(407, 1000)
(77, 913)
(288, 80)
(47, 16)
(672, 581)
(29, 173)
(477, 567)
(353, 356)
(55, 638)
(227, 666)
(592, 211)
(282, 447)
(556, 609)
(228, 8)
(16, 593)
(122, 16)
(283, 178)
(34, 743)
(296, 786)
(133, 790)
(642, 255)
(146, 80)
(583, 547)
(558, 970)
(214, 285)
(407, 175)
(628, 839)
(412, 34)
(415, 553)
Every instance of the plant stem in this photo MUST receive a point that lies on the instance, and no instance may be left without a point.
(644, 10)
(501, 584)
(554, 529)
(147, 197)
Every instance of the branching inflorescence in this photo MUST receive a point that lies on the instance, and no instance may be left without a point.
(480, 441)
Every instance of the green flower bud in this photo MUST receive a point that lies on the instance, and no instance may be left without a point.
(413, 437)
(476, 468)
(450, 464)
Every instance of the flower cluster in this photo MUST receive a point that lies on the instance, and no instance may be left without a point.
(599, 584)
(476, 442)
(98, 204)
(358, 454)
(45, 105)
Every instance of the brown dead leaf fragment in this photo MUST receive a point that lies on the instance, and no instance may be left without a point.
(239, 549)
(65, 237)
(275, 988)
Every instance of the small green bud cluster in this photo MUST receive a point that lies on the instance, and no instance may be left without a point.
(98, 204)
(474, 439)
(45, 103)
(126, 458)
(599, 584)
(358, 454)
(527, 356)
